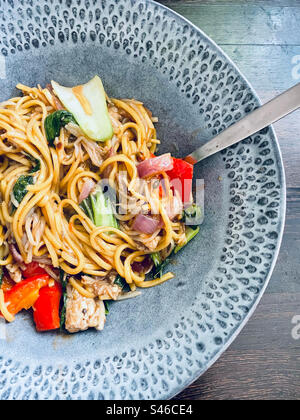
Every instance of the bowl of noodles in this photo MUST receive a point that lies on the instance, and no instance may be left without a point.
(120, 278)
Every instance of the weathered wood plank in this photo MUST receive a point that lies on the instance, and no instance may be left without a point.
(243, 23)
(271, 70)
(253, 375)
(264, 363)
(287, 131)
(267, 67)
(283, 3)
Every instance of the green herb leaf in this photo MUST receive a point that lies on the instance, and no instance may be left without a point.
(36, 162)
(54, 122)
(37, 166)
(20, 187)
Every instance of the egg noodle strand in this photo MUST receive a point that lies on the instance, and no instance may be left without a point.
(49, 224)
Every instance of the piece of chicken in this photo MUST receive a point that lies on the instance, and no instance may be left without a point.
(83, 313)
(102, 287)
(14, 272)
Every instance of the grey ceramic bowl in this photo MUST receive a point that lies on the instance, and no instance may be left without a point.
(153, 346)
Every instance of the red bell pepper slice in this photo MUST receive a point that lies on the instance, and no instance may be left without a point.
(181, 177)
(24, 294)
(46, 308)
(33, 269)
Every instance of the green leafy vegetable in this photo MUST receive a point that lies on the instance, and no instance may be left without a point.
(159, 268)
(190, 233)
(54, 122)
(36, 167)
(97, 206)
(37, 163)
(20, 188)
(156, 258)
(106, 304)
(88, 105)
(120, 281)
(64, 281)
(1, 276)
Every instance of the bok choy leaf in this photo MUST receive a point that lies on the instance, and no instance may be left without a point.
(88, 105)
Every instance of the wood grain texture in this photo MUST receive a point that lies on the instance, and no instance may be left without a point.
(245, 23)
(263, 39)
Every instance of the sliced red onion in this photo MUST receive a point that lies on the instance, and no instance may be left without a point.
(145, 224)
(143, 267)
(155, 165)
(15, 254)
(87, 188)
(42, 260)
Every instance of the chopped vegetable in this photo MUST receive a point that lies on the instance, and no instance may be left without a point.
(160, 265)
(192, 215)
(156, 258)
(98, 208)
(54, 122)
(106, 305)
(146, 224)
(46, 308)
(37, 163)
(7, 283)
(33, 269)
(17, 257)
(20, 188)
(174, 207)
(86, 189)
(182, 176)
(155, 165)
(63, 280)
(88, 105)
(190, 234)
(120, 281)
(24, 294)
(36, 167)
(158, 270)
(144, 266)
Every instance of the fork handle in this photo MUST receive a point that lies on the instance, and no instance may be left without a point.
(258, 119)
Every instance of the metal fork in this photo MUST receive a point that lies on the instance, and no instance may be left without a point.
(258, 119)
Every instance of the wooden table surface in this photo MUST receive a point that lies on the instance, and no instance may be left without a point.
(263, 39)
